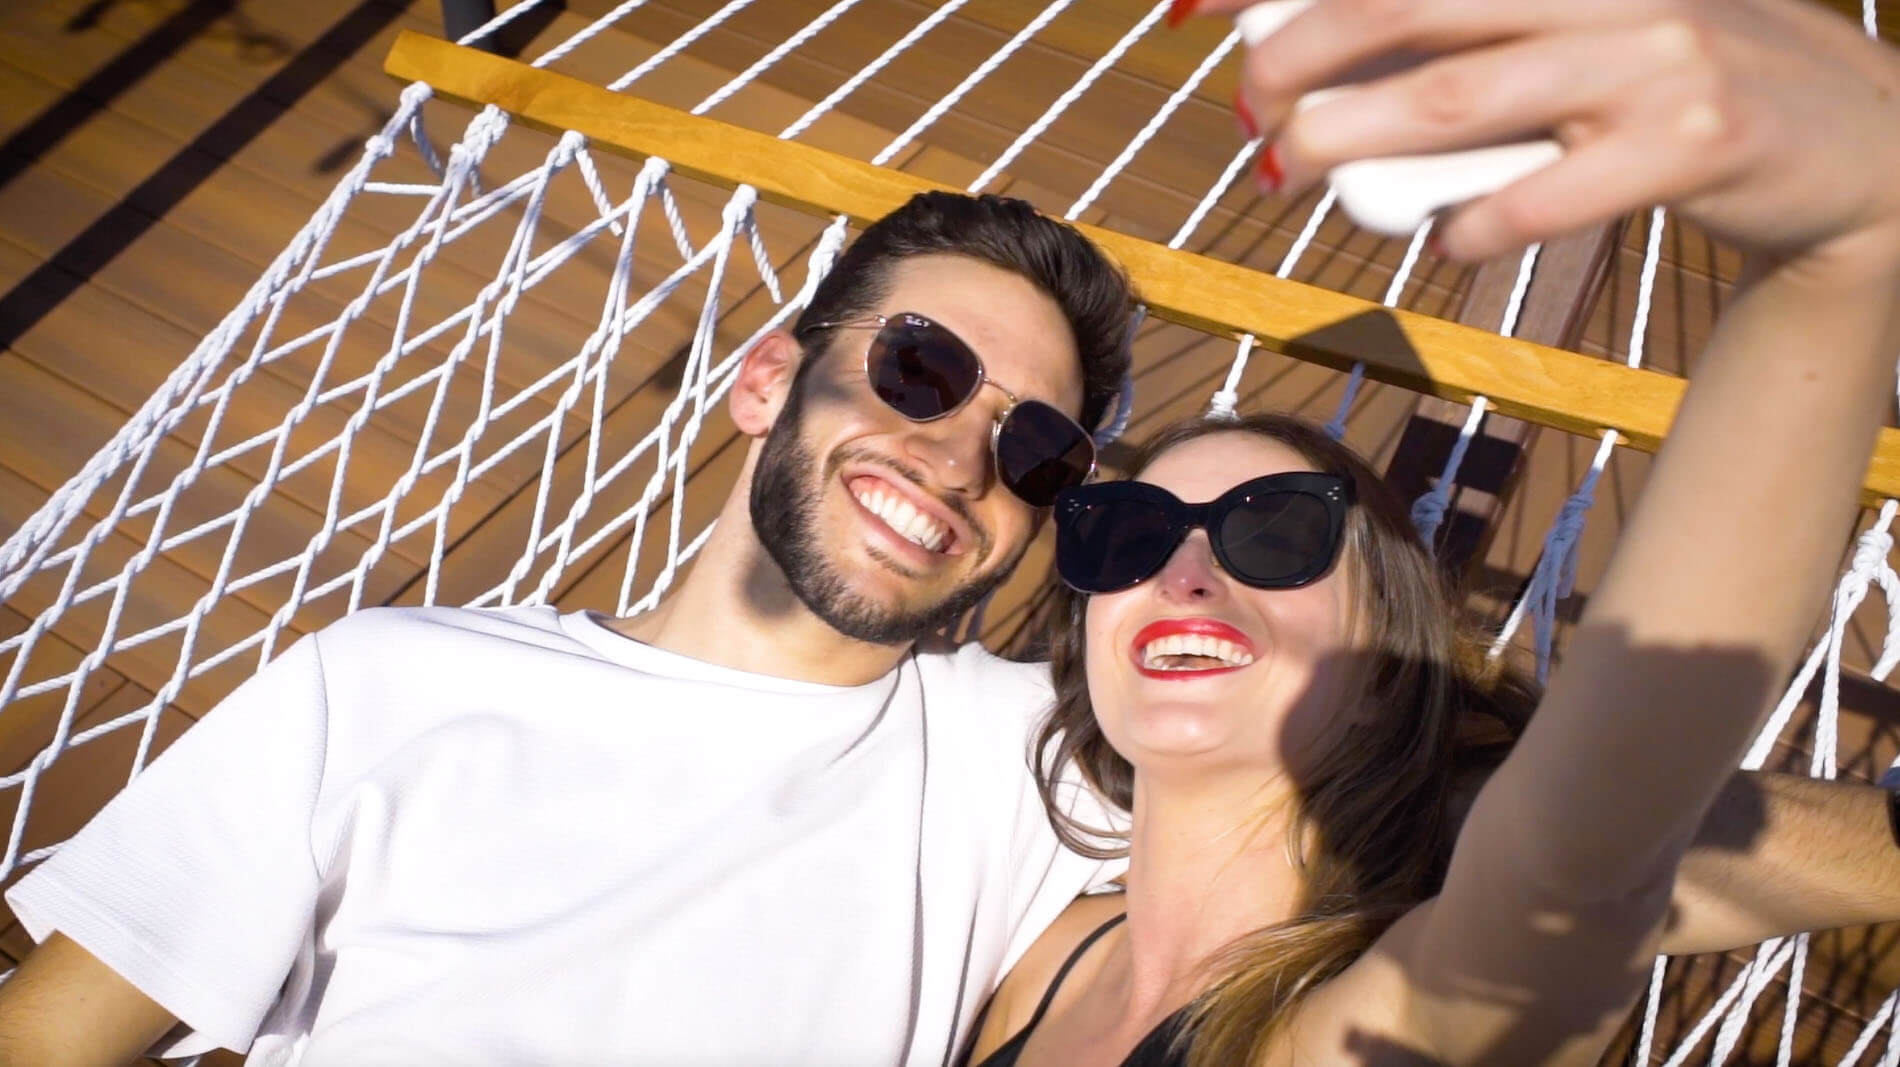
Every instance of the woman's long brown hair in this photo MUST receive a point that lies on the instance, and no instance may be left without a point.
(1375, 820)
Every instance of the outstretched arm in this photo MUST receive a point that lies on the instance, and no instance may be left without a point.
(1561, 878)
(1570, 850)
(1781, 853)
(1769, 123)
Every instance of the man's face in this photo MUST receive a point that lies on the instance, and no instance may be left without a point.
(888, 529)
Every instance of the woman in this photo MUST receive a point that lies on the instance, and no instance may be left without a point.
(1272, 685)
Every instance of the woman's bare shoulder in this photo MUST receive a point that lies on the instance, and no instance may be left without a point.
(1022, 989)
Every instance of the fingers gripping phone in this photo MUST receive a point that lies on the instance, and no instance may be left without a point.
(1395, 195)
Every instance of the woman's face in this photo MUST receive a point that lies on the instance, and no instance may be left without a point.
(1272, 707)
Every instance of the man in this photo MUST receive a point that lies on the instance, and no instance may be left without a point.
(754, 826)
(750, 827)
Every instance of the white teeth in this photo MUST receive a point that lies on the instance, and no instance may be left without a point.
(902, 516)
(1201, 645)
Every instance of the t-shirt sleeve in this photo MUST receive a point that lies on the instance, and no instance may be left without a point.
(197, 883)
(1049, 875)
(1046, 874)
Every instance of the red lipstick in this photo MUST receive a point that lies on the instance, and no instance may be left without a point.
(1161, 628)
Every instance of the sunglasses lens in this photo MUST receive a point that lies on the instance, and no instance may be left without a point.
(1106, 545)
(1276, 538)
(921, 370)
(1040, 452)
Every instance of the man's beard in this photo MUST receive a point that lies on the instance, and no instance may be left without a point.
(784, 518)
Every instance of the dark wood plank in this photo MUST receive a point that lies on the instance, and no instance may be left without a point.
(1569, 277)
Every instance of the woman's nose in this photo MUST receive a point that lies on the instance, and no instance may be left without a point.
(1192, 574)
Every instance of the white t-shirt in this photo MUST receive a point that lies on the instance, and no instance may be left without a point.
(454, 836)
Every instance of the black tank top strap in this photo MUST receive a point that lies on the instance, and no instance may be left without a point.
(1062, 972)
(1006, 1053)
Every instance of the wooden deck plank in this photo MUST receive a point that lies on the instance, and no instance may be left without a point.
(157, 596)
(1683, 312)
(300, 149)
(169, 262)
(129, 365)
(1156, 191)
(63, 205)
(191, 283)
(28, 724)
(270, 217)
(471, 567)
(184, 107)
(65, 425)
(286, 218)
(645, 85)
(249, 43)
(177, 249)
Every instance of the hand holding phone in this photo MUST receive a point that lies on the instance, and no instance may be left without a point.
(1395, 195)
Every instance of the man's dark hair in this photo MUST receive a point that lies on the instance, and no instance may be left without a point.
(1092, 292)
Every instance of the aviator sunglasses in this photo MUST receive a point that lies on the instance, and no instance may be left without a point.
(925, 373)
(1277, 532)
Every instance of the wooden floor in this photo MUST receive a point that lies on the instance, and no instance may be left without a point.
(156, 155)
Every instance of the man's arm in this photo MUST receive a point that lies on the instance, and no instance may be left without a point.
(64, 1006)
(1779, 854)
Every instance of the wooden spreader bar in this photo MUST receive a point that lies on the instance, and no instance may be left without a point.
(1544, 385)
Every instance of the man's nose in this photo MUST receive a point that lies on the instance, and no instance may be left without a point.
(955, 449)
(1192, 575)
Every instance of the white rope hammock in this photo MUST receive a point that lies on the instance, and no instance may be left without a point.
(462, 375)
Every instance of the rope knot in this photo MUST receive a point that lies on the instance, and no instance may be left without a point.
(1871, 550)
(1428, 511)
(823, 255)
(1566, 537)
(739, 207)
(569, 146)
(652, 173)
(486, 128)
(1118, 422)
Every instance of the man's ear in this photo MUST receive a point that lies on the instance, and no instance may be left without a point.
(764, 379)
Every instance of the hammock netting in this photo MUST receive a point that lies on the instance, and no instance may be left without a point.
(489, 371)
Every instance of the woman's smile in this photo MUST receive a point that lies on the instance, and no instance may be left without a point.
(1179, 649)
